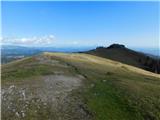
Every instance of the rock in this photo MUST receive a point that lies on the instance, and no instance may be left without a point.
(10, 89)
(12, 86)
(104, 80)
(23, 114)
(23, 94)
(92, 85)
(17, 114)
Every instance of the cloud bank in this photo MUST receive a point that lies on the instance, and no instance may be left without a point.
(32, 41)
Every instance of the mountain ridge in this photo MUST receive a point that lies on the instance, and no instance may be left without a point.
(119, 52)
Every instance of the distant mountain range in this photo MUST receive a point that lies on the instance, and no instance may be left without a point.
(122, 54)
(115, 52)
(12, 52)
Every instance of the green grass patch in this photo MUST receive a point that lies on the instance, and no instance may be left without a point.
(25, 72)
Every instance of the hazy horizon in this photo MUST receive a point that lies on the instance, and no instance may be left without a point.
(147, 50)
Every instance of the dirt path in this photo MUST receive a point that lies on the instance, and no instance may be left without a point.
(46, 97)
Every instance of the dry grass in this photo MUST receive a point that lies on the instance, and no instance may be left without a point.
(111, 90)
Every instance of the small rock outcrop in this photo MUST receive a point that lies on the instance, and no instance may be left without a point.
(116, 46)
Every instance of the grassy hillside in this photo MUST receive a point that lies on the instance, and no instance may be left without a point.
(109, 89)
(127, 56)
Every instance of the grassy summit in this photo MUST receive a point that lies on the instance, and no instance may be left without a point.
(125, 55)
(93, 88)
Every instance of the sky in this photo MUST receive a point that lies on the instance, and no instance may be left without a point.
(79, 24)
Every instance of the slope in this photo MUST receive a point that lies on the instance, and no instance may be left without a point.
(78, 86)
(122, 54)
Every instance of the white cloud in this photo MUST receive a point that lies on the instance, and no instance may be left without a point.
(32, 41)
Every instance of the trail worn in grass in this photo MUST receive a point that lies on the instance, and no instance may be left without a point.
(41, 90)
(116, 91)
(60, 86)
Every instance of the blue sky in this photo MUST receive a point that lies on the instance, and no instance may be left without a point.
(134, 24)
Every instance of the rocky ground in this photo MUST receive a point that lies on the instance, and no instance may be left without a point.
(48, 97)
